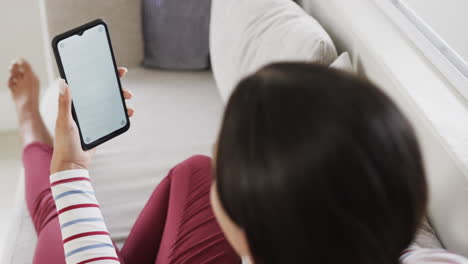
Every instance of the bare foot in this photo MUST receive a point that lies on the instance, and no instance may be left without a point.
(24, 87)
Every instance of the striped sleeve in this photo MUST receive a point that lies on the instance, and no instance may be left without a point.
(417, 255)
(84, 233)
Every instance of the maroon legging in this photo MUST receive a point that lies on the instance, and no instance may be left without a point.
(176, 226)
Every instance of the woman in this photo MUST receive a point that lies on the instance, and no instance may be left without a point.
(311, 165)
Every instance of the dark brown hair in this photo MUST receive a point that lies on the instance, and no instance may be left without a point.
(319, 166)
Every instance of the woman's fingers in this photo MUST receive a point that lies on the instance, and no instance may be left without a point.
(130, 112)
(64, 114)
(122, 71)
(127, 94)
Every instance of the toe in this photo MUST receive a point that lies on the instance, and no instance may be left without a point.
(16, 71)
(25, 66)
(14, 68)
(12, 82)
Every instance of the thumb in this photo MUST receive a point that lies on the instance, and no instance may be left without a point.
(64, 104)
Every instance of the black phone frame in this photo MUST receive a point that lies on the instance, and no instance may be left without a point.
(79, 31)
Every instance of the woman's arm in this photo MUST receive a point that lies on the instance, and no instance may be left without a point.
(84, 233)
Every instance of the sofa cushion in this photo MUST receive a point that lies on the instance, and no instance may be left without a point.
(176, 34)
(246, 35)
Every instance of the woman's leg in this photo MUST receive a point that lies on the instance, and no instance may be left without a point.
(177, 225)
(49, 248)
(37, 154)
(24, 88)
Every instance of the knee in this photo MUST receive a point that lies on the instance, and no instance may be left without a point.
(37, 149)
(42, 210)
(198, 162)
(198, 166)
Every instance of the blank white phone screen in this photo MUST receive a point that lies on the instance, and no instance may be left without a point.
(90, 73)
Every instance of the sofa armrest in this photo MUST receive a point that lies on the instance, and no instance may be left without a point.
(122, 16)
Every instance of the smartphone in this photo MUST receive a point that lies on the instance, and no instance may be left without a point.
(86, 61)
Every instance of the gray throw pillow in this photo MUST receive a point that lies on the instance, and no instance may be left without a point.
(176, 34)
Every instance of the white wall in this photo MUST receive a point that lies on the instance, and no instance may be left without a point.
(20, 31)
(448, 19)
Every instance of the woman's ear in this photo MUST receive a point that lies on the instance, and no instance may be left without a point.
(234, 234)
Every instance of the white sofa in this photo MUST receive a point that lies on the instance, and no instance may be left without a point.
(178, 114)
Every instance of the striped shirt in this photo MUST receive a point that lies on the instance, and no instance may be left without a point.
(86, 239)
(84, 233)
(418, 255)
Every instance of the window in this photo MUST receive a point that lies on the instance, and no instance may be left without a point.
(439, 29)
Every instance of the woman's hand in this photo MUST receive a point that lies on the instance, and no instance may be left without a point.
(68, 154)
